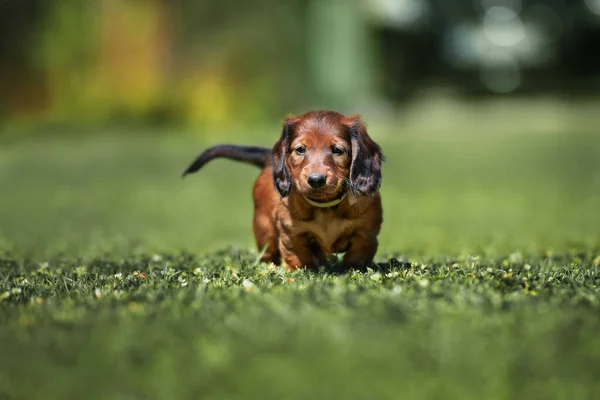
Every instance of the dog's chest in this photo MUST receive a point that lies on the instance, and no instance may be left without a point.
(330, 232)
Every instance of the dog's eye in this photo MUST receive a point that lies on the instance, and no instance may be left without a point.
(300, 150)
(337, 151)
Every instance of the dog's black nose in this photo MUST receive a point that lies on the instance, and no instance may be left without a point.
(316, 180)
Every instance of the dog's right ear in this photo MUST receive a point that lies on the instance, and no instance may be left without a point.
(281, 173)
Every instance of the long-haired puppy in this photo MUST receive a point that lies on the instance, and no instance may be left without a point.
(318, 192)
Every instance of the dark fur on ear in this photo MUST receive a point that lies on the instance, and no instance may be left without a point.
(281, 173)
(367, 157)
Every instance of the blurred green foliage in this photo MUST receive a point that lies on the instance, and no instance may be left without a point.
(153, 61)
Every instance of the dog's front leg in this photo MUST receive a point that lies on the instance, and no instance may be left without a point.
(361, 251)
(296, 251)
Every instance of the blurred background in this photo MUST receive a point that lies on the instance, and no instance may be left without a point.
(487, 110)
(183, 61)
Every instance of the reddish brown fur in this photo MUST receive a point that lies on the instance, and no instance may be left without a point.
(303, 235)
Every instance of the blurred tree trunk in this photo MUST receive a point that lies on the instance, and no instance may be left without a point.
(339, 53)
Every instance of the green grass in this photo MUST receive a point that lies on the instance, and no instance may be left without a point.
(119, 280)
(218, 326)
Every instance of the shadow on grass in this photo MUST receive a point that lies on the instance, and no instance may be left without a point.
(336, 268)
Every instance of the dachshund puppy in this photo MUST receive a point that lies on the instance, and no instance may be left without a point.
(318, 192)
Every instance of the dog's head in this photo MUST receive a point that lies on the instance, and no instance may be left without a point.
(323, 154)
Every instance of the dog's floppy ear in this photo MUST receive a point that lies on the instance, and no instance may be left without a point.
(367, 157)
(281, 173)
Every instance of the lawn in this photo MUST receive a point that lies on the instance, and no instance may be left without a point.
(119, 280)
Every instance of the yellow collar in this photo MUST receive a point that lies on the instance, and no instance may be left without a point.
(326, 204)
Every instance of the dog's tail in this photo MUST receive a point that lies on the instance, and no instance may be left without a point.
(258, 156)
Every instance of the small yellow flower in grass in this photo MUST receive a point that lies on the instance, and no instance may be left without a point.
(98, 293)
(291, 280)
(597, 261)
(270, 267)
(139, 275)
